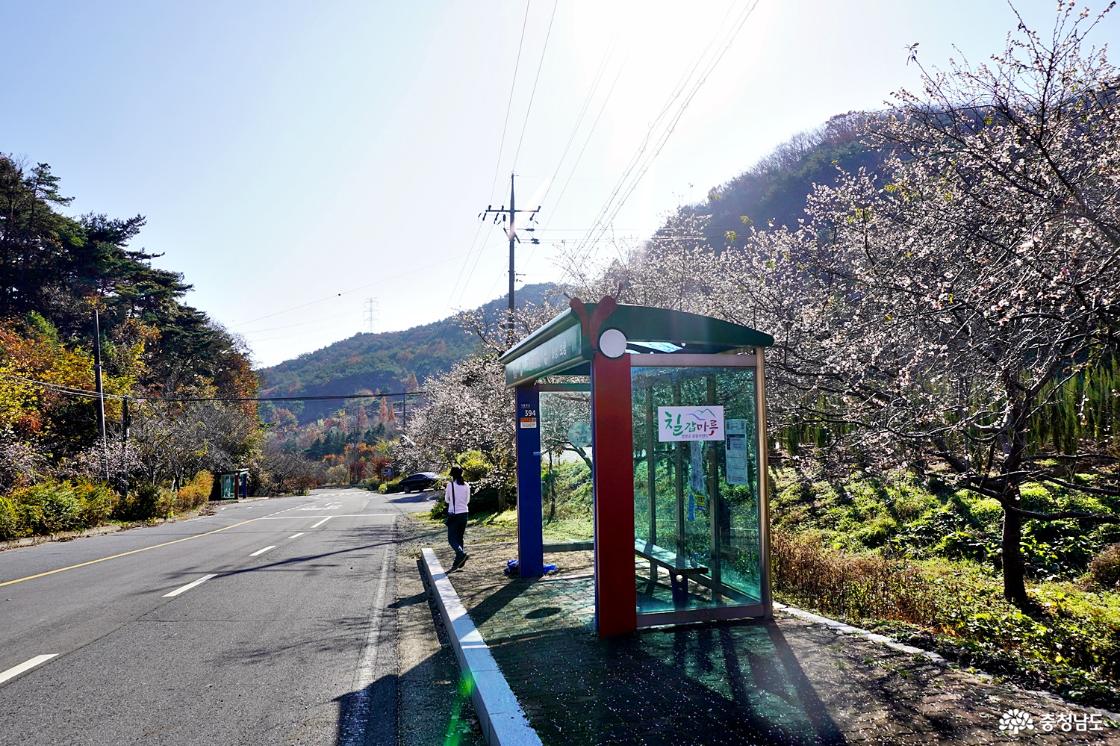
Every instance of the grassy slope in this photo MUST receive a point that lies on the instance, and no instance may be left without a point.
(899, 556)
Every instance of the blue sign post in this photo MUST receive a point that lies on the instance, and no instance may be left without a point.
(530, 540)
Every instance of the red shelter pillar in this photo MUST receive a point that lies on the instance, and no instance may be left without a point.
(613, 463)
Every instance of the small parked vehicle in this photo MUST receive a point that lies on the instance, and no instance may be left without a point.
(419, 481)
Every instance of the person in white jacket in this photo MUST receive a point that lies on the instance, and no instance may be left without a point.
(458, 497)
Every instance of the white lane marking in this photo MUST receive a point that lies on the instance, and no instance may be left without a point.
(320, 523)
(340, 515)
(354, 726)
(296, 536)
(27, 665)
(188, 586)
(262, 551)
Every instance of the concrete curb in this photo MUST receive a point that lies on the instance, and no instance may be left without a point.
(108, 528)
(30, 541)
(569, 546)
(847, 629)
(501, 717)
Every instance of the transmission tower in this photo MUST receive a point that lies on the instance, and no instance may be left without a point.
(371, 313)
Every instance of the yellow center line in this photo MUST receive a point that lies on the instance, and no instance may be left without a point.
(125, 554)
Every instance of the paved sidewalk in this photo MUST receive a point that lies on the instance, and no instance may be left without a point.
(788, 681)
(432, 706)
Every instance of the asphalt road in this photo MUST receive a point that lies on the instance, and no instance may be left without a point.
(264, 623)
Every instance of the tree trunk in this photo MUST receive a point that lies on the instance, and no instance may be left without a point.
(1014, 585)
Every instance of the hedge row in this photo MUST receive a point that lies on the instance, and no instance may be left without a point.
(50, 507)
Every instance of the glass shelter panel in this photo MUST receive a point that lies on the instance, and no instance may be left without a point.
(696, 488)
(566, 487)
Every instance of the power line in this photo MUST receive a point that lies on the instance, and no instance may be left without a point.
(478, 257)
(380, 280)
(680, 113)
(58, 388)
(533, 91)
(640, 161)
(501, 147)
(587, 140)
(460, 284)
(579, 120)
(509, 103)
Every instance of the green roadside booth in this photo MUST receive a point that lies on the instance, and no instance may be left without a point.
(231, 485)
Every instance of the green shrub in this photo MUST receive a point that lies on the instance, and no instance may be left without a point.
(9, 520)
(876, 531)
(48, 507)
(475, 466)
(1104, 570)
(987, 511)
(29, 517)
(383, 488)
(97, 502)
(194, 493)
(140, 505)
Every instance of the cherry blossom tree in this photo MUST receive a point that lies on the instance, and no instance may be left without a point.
(931, 311)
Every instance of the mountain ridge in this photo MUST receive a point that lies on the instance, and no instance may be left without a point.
(381, 362)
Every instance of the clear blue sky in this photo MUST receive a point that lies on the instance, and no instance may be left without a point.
(315, 154)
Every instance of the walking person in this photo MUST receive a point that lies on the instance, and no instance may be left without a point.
(458, 496)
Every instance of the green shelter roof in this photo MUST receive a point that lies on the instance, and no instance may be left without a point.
(560, 346)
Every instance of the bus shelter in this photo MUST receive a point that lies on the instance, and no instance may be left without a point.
(677, 429)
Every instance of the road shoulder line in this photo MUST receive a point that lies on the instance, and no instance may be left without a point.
(27, 665)
(499, 713)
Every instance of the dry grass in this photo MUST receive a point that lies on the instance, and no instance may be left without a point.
(854, 586)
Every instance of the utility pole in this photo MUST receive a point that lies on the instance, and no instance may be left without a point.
(100, 390)
(371, 312)
(126, 424)
(509, 219)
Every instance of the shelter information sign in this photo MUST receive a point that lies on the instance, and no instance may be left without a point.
(704, 422)
(736, 450)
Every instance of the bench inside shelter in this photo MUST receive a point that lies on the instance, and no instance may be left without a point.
(680, 567)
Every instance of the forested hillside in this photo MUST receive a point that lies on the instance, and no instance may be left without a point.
(55, 272)
(385, 362)
(774, 190)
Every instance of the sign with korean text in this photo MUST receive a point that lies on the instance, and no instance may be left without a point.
(552, 354)
(735, 450)
(704, 422)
